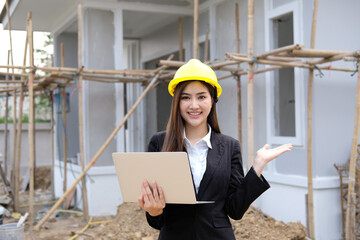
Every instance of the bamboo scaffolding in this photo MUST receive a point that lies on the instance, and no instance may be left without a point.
(31, 122)
(206, 46)
(81, 120)
(310, 196)
(196, 31)
(278, 58)
(11, 82)
(14, 136)
(181, 48)
(238, 77)
(18, 152)
(334, 58)
(250, 86)
(293, 64)
(280, 50)
(313, 53)
(97, 155)
(52, 145)
(63, 98)
(351, 200)
(6, 128)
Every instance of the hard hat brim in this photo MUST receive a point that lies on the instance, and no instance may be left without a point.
(173, 83)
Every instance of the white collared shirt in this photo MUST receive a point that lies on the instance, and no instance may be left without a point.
(197, 157)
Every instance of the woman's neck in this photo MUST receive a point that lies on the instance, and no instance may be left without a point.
(194, 134)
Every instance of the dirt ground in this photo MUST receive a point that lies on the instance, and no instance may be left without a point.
(130, 223)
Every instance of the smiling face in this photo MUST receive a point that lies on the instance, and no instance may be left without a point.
(195, 105)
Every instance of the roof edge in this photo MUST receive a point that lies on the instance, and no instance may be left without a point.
(3, 11)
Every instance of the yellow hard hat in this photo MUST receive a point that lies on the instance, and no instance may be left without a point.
(194, 70)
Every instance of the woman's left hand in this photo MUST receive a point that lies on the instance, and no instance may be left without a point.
(265, 155)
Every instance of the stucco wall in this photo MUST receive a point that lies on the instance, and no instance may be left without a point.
(72, 116)
(42, 146)
(99, 112)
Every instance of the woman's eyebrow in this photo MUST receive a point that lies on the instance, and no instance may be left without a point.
(199, 93)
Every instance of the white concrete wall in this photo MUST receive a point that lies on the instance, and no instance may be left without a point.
(42, 146)
(99, 98)
(72, 117)
(333, 123)
(103, 188)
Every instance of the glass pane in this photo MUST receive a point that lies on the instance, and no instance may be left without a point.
(284, 103)
(284, 92)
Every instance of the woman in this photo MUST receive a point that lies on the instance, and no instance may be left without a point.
(215, 161)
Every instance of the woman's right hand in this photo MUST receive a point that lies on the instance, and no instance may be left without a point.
(152, 200)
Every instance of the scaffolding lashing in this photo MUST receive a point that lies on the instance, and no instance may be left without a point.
(343, 171)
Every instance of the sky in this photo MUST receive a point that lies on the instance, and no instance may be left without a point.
(18, 44)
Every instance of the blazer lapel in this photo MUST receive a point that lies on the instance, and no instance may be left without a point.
(212, 162)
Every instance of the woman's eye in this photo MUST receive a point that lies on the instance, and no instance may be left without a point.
(202, 97)
(184, 98)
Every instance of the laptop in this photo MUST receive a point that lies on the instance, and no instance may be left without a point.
(170, 170)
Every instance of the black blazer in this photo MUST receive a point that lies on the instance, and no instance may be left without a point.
(223, 182)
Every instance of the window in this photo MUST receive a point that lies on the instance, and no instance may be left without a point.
(285, 87)
(284, 94)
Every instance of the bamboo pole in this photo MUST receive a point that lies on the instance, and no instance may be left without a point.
(12, 82)
(9, 25)
(6, 127)
(81, 125)
(14, 139)
(285, 59)
(206, 46)
(333, 58)
(250, 87)
(262, 70)
(196, 31)
(97, 155)
(144, 73)
(280, 50)
(52, 144)
(313, 53)
(14, 99)
(18, 150)
(310, 199)
(31, 122)
(350, 223)
(238, 78)
(181, 48)
(220, 65)
(64, 119)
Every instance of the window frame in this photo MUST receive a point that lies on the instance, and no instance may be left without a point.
(270, 14)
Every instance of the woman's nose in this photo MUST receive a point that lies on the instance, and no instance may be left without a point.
(194, 103)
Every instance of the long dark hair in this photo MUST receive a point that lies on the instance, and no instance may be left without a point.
(174, 138)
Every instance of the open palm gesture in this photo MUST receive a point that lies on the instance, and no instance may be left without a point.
(265, 155)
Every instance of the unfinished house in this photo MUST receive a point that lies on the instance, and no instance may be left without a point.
(127, 34)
